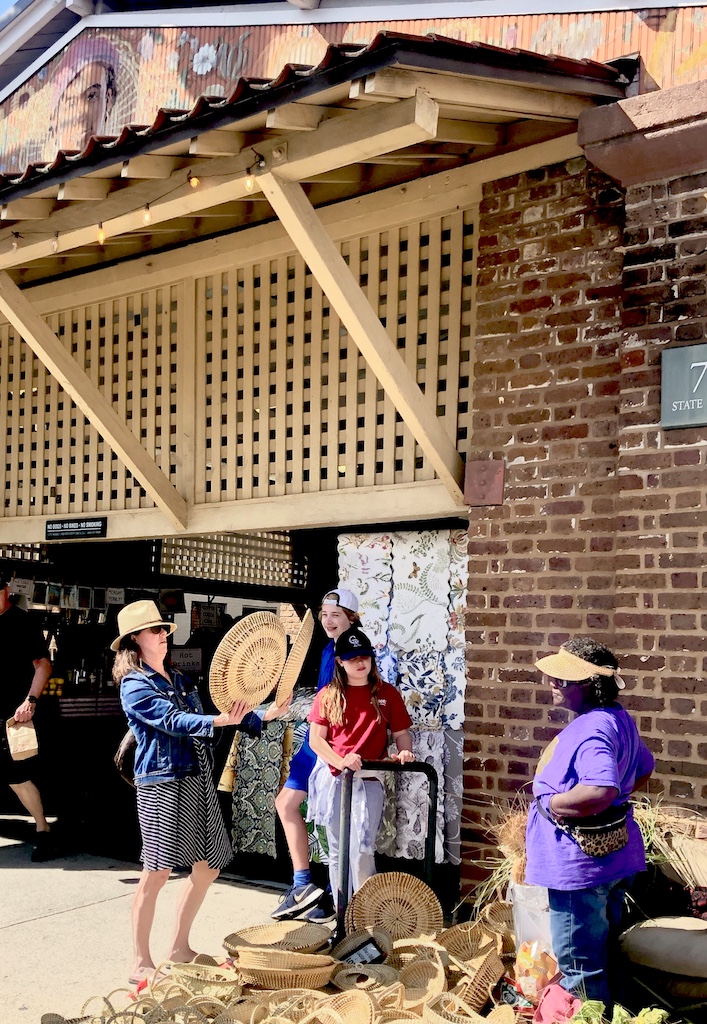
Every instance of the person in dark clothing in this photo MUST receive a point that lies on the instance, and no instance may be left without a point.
(26, 669)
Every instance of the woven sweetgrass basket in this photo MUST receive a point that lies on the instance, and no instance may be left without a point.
(502, 1015)
(297, 936)
(499, 917)
(467, 941)
(479, 977)
(289, 1004)
(423, 981)
(268, 967)
(248, 661)
(295, 659)
(353, 1007)
(212, 982)
(448, 1008)
(397, 1016)
(364, 976)
(397, 902)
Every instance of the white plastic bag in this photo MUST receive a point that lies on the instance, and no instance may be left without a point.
(535, 961)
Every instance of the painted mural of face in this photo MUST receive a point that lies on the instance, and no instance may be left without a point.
(84, 105)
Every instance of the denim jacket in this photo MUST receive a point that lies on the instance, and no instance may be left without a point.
(164, 717)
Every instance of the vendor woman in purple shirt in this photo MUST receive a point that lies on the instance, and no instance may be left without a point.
(596, 762)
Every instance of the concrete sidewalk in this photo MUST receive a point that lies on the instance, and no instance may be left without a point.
(65, 928)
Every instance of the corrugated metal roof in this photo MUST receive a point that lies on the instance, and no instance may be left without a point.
(341, 63)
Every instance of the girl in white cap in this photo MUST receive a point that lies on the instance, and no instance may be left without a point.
(303, 899)
(178, 811)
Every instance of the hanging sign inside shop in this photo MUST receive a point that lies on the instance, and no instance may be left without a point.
(186, 659)
(115, 595)
(683, 398)
(24, 587)
(75, 529)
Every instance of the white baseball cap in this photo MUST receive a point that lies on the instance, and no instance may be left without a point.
(343, 598)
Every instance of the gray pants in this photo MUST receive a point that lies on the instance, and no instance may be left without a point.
(361, 865)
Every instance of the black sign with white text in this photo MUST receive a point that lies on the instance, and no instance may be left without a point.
(75, 529)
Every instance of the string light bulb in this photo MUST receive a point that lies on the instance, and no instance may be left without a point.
(147, 215)
(55, 242)
(249, 183)
(193, 180)
(101, 233)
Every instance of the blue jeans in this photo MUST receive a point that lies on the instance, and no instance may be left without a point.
(584, 923)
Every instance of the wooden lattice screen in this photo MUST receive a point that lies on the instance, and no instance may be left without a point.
(282, 401)
(267, 559)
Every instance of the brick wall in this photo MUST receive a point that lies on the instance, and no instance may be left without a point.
(542, 566)
(602, 530)
(661, 613)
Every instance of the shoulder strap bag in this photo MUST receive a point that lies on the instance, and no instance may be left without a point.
(597, 835)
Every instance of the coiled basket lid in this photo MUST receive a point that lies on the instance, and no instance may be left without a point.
(248, 661)
(397, 902)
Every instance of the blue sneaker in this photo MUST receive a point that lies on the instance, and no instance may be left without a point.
(296, 901)
(322, 912)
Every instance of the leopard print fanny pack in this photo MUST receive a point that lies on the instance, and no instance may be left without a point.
(598, 835)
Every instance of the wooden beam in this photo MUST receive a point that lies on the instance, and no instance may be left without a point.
(86, 189)
(428, 499)
(90, 400)
(353, 139)
(217, 143)
(323, 258)
(295, 117)
(338, 141)
(478, 94)
(149, 166)
(27, 209)
(470, 133)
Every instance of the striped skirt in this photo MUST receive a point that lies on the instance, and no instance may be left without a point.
(181, 821)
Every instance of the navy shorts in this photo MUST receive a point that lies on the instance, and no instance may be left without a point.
(301, 767)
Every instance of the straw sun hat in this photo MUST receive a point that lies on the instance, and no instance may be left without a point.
(136, 616)
(569, 666)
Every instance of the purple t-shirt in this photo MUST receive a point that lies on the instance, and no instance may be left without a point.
(599, 748)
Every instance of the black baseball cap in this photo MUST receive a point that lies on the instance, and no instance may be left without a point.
(353, 643)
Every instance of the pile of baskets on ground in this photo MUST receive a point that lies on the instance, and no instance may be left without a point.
(396, 964)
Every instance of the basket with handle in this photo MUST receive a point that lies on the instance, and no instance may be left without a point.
(423, 981)
(354, 1007)
(479, 978)
(468, 940)
(221, 983)
(499, 917)
(448, 1008)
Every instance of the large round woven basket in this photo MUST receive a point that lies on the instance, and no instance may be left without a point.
(269, 967)
(212, 982)
(297, 936)
(359, 941)
(248, 661)
(397, 902)
(295, 659)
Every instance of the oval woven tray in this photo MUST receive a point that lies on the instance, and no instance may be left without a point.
(286, 977)
(397, 902)
(295, 659)
(273, 956)
(297, 936)
(248, 661)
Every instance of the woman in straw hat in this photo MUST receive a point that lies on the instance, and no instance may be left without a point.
(178, 811)
(584, 778)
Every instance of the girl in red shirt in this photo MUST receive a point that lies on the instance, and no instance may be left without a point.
(350, 720)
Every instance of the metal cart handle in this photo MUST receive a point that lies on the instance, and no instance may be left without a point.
(345, 825)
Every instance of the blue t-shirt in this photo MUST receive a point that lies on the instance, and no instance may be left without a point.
(599, 748)
(327, 665)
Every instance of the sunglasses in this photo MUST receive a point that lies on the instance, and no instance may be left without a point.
(562, 684)
(155, 629)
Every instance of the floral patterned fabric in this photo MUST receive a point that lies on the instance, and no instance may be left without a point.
(365, 567)
(413, 592)
(420, 599)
